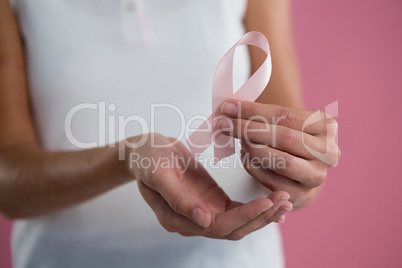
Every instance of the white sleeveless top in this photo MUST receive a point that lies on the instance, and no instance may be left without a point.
(119, 57)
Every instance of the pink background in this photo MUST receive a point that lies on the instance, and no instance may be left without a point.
(349, 51)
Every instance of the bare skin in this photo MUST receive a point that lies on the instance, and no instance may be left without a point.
(35, 182)
(273, 19)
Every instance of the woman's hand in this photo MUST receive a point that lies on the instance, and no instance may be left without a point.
(283, 149)
(188, 201)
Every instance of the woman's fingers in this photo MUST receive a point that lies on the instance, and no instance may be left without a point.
(307, 134)
(169, 184)
(281, 205)
(285, 139)
(190, 202)
(307, 173)
(274, 114)
(225, 223)
(167, 217)
(271, 180)
(233, 224)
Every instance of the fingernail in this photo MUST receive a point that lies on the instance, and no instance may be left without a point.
(200, 217)
(225, 125)
(283, 211)
(281, 202)
(266, 207)
(281, 219)
(229, 108)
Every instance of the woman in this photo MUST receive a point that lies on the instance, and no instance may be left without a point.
(86, 75)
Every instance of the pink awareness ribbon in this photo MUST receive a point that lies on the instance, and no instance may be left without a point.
(222, 89)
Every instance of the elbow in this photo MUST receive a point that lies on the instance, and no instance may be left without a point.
(13, 215)
(9, 215)
(12, 212)
(8, 208)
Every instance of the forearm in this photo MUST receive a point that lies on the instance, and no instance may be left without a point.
(273, 19)
(34, 182)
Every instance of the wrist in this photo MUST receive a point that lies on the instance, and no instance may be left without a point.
(129, 155)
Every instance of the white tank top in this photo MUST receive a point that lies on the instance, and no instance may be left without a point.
(120, 57)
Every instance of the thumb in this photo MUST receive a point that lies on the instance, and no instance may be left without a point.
(170, 184)
(184, 202)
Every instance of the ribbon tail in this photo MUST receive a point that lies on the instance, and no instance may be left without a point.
(202, 138)
(224, 146)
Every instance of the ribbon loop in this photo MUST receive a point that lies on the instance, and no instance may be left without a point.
(222, 89)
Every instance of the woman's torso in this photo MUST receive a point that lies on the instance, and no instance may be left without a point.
(129, 55)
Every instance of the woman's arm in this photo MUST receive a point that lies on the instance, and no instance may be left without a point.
(273, 19)
(33, 182)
